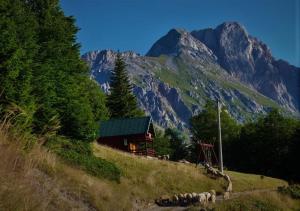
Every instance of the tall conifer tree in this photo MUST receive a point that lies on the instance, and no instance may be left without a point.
(121, 101)
(42, 74)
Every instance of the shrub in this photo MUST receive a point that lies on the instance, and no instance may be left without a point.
(79, 153)
(292, 190)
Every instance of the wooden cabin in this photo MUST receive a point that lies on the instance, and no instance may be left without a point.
(134, 135)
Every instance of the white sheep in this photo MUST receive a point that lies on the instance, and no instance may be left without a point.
(212, 192)
(207, 195)
(229, 187)
(213, 199)
(202, 198)
(227, 178)
(226, 195)
(194, 195)
(175, 199)
(189, 197)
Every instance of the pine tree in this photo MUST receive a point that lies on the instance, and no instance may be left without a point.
(121, 102)
(17, 49)
(41, 71)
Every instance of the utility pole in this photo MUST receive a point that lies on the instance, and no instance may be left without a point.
(220, 138)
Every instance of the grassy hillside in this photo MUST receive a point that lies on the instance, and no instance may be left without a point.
(147, 179)
(259, 201)
(39, 180)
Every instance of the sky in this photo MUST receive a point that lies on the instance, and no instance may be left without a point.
(136, 24)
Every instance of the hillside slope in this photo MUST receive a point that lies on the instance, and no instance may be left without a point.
(146, 179)
(39, 180)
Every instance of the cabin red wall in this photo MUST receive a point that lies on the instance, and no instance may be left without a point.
(118, 141)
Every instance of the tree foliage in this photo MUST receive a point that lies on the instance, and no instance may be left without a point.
(269, 145)
(204, 127)
(121, 101)
(173, 143)
(41, 70)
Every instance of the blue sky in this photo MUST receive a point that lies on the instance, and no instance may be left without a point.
(137, 24)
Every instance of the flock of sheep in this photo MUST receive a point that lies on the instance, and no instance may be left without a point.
(197, 198)
(187, 199)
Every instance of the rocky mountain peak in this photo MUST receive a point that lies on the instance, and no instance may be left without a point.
(180, 42)
(250, 60)
(232, 27)
(223, 63)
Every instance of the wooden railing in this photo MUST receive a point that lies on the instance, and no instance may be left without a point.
(145, 152)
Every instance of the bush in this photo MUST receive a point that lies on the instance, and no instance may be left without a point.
(292, 190)
(80, 154)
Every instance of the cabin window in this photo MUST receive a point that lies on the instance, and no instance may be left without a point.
(125, 142)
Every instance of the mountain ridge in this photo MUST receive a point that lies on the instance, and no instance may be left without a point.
(183, 69)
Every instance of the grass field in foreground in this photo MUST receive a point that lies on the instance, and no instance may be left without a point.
(39, 180)
(148, 179)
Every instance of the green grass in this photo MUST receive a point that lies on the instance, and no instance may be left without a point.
(79, 153)
(235, 85)
(182, 77)
(243, 182)
(259, 98)
(179, 80)
(147, 179)
(39, 180)
(267, 201)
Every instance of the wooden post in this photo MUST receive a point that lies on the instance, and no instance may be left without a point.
(220, 138)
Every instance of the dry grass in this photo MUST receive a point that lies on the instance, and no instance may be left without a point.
(146, 179)
(30, 180)
(38, 180)
(268, 201)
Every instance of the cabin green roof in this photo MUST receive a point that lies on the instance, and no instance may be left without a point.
(128, 126)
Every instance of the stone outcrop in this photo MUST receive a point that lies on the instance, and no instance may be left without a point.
(250, 60)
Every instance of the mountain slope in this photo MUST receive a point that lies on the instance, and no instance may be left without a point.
(251, 61)
(182, 70)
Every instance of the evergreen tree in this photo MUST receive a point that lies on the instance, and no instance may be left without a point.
(42, 73)
(177, 144)
(161, 143)
(17, 49)
(121, 101)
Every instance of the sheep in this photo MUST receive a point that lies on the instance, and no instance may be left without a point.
(212, 192)
(229, 187)
(207, 195)
(226, 195)
(194, 195)
(221, 174)
(227, 178)
(189, 197)
(175, 199)
(202, 198)
(213, 199)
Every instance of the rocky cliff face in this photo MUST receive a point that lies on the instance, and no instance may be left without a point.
(251, 61)
(182, 70)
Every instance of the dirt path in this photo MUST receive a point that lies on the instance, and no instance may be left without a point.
(155, 207)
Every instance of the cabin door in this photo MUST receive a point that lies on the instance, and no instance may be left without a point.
(133, 147)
